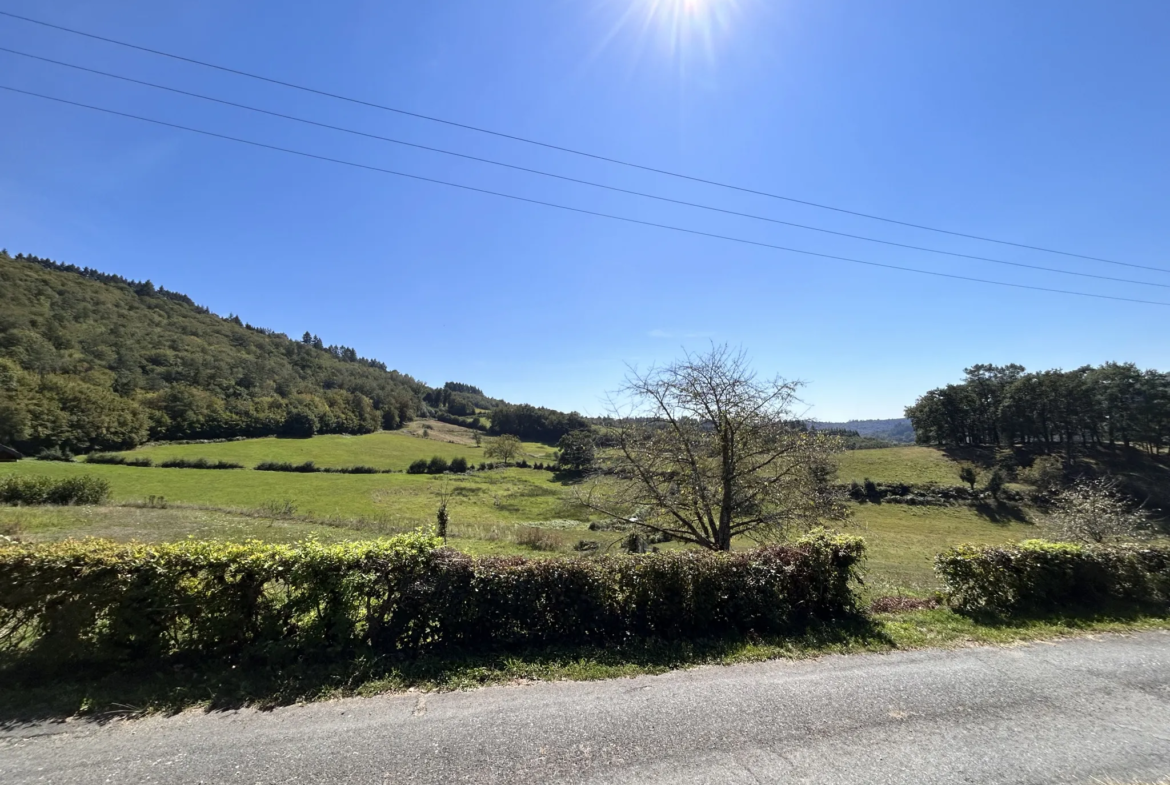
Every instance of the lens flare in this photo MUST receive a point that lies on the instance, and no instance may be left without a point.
(680, 30)
(690, 27)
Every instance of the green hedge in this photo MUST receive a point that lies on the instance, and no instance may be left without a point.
(98, 601)
(1036, 577)
(39, 489)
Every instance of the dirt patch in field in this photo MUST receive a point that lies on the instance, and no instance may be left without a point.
(442, 432)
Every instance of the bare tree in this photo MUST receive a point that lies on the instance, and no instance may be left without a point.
(505, 447)
(707, 452)
(1095, 511)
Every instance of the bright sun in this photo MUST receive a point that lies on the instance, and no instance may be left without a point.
(687, 25)
(681, 31)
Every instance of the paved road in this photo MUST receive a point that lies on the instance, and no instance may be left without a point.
(1074, 711)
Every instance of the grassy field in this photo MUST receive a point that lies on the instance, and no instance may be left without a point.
(902, 540)
(152, 524)
(912, 465)
(500, 511)
(382, 450)
(402, 500)
(512, 511)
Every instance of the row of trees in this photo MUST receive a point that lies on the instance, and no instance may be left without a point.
(1115, 403)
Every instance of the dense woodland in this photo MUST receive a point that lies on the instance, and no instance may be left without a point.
(94, 361)
(1115, 403)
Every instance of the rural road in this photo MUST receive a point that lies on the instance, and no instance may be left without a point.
(1075, 711)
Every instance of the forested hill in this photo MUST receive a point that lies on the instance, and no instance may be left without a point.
(95, 361)
(894, 430)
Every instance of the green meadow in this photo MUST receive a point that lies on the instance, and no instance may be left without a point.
(383, 450)
(911, 464)
(405, 500)
(498, 511)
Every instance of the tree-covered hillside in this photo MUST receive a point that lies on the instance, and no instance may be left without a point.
(898, 430)
(94, 361)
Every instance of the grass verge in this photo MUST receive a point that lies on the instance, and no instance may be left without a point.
(24, 698)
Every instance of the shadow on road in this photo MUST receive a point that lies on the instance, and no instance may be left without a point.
(30, 696)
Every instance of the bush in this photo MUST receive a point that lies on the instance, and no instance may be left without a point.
(55, 454)
(458, 465)
(995, 483)
(437, 465)
(1036, 577)
(353, 470)
(308, 467)
(94, 601)
(418, 467)
(197, 463)
(117, 460)
(37, 489)
(1046, 473)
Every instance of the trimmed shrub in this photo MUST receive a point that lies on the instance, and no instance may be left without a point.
(458, 465)
(418, 467)
(197, 463)
(95, 601)
(117, 460)
(1036, 577)
(38, 489)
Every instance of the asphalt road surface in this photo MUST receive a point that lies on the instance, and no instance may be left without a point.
(1076, 711)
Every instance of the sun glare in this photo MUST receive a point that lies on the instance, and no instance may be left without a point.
(678, 30)
(688, 27)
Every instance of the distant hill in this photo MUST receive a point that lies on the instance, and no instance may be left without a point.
(897, 430)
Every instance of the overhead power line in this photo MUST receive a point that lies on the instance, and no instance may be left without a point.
(582, 181)
(561, 148)
(579, 210)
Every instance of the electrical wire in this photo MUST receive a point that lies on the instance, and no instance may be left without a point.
(590, 183)
(580, 210)
(569, 150)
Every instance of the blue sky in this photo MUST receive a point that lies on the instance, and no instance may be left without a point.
(1043, 123)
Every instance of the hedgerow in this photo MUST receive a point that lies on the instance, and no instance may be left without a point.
(113, 459)
(308, 467)
(197, 463)
(1035, 577)
(39, 489)
(100, 602)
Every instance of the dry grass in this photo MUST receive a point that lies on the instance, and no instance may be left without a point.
(441, 432)
(540, 539)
